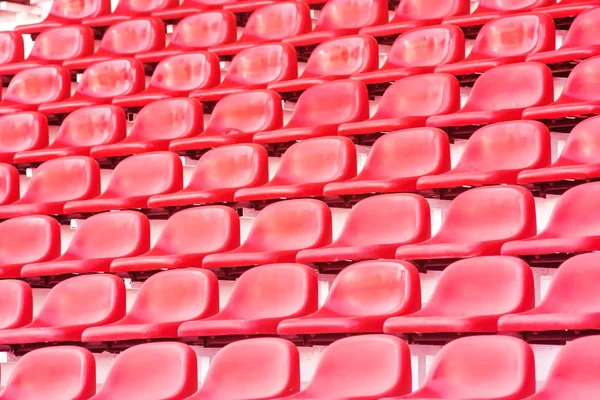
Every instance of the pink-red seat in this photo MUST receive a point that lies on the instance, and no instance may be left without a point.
(494, 155)
(9, 184)
(191, 7)
(16, 305)
(361, 367)
(261, 298)
(133, 182)
(36, 375)
(22, 131)
(79, 132)
(129, 9)
(156, 125)
(361, 298)
(305, 168)
(218, 175)
(187, 237)
(564, 12)
(470, 296)
(152, 371)
(70, 307)
(477, 223)
(55, 183)
(374, 228)
(278, 233)
(12, 48)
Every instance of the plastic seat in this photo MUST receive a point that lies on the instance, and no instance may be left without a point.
(361, 367)
(408, 103)
(152, 371)
(176, 76)
(470, 229)
(523, 85)
(11, 48)
(155, 126)
(16, 308)
(25, 240)
(480, 367)
(320, 110)
(361, 298)
(133, 182)
(22, 131)
(9, 184)
(278, 233)
(470, 296)
(124, 39)
(494, 155)
(79, 132)
(70, 307)
(55, 183)
(187, 237)
(191, 7)
(417, 152)
(129, 9)
(566, 10)
(235, 119)
(99, 84)
(218, 175)
(259, 368)
(261, 298)
(36, 376)
(305, 169)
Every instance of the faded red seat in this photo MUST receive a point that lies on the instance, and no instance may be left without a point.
(133, 182)
(22, 131)
(218, 175)
(261, 298)
(9, 184)
(55, 183)
(187, 237)
(191, 7)
(16, 307)
(129, 9)
(566, 10)
(12, 48)
(361, 298)
(278, 233)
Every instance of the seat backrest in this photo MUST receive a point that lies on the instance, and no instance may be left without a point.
(77, 10)
(92, 126)
(573, 214)
(582, 145)
(29, 239)
(142, 7)
(259, 368)
(186, 72)
(427, 47)
(352, 14)
(205, 29)
(512, 6)
(277, 21)
(91, 300)
(235, 166)
(16, 303)
(416, 10)
(482, 367)
(365, 366)
(583, 82)
(63, 43)
(503, 146)
(112, 78)
(39, 85)
(334, 102)
(165, 370)
(420, 96)
(523, 85)
(320, 160)
(262, 64)
(168, 119)
(583, 30)
(133, 36)
(146, 174)
(23, 131)
(274, 291)
(508, 214)
(36, 376)
(9, 184)
(64, 179)
(11, 47)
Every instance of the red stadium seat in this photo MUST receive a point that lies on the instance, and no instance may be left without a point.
(124, 39)
(9, 184)
(133, 182)
(11, 48)
(70, 307)
(55, 183)
(319, 112)
(305, 168)
(470, 229)
(152, 371)
(16, 307)
(261, 299)
(470, 296)
(129, 9)
(218, 175)
(36, 375)
(191, 7)
(523, 85)
(480, 367)
(384, 174)
(156, 125)
(27, 240)
(407, 103)
(79, 132)
(566, 10)
(494, 155)
(361, 298)
(364, 367)
(96, 243)
(22, 131)
(99, 84)
(187, 237)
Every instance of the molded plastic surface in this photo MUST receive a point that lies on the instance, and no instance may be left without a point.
(11, 48)
(22, 131)
(9, 184)
(16, 304)
(128, 9)
(489, 10)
